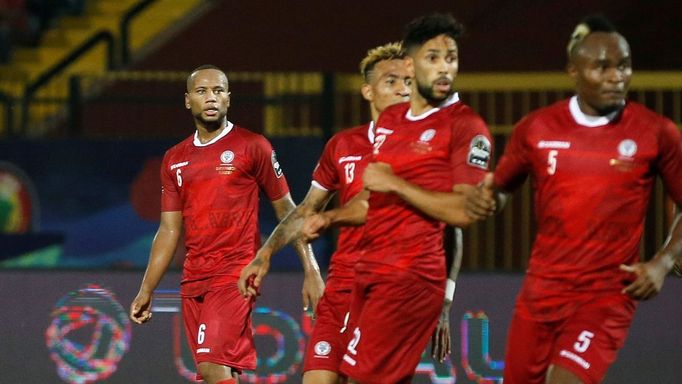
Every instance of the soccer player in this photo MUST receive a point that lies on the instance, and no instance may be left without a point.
(421, 149)
(210, 187)
(386, 82)
(593, 160)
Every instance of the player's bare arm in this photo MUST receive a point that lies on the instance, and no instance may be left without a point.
(163, 248)
(448, 207)
(313, 285)
(441, 344)
(651, 274)
(353, 213)
(285, 232)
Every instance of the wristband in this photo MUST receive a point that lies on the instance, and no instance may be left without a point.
(450, 289)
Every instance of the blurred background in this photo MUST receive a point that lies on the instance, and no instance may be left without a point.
(91, 95)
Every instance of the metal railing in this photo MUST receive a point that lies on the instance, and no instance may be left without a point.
(304, 104)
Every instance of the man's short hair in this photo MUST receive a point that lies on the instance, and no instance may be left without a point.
(389, 51)
(201, 68)
(589, 24)
(425, 28)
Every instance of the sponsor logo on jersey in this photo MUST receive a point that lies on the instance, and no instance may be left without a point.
(479, 152)
(178, 165)
(203, 350)
(275, 165)
(627, 148)
(322, 348)
(349, 158)
(572, 356)
(227, 157)
(554, 144)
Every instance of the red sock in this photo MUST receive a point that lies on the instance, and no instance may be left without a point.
(227, 381)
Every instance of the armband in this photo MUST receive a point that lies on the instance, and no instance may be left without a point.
(449, 289)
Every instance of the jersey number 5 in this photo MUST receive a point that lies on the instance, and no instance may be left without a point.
(551, 161)
(584, 340)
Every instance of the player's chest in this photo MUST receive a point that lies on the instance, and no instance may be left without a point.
(590, 152)
(417, 143)
(219, 167)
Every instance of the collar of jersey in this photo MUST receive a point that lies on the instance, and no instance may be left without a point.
(587, 120)
(446, 103)
(226, 130)
(370, 132)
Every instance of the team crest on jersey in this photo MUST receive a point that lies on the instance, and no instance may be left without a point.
(423, 145)
(479, 152)
(427, 135)
(626, 152)
(226, 157)
(275, 166)
(627, 148)
(322, 348)
(226, 167)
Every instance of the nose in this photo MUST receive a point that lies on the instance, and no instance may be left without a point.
(210, 95)
(616, 75)
(404, 89)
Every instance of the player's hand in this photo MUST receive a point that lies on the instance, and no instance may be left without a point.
(440, 340)
(379, 177)
(480, 199)
(649, 279)
(313, 226)
(140, 308)
(252, 275)
(313, 288)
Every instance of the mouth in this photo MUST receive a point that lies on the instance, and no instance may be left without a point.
(211, 111)
(442, 84)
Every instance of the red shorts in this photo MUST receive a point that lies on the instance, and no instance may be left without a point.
(585, 343)
(391, 321)
(218, 328)
(327, 342)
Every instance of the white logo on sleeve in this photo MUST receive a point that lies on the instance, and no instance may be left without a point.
(479, 152)
(322, 348)
(275, 166)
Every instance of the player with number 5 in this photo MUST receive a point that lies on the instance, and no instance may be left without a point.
(593, 160)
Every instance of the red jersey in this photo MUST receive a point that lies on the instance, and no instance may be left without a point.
(216, 186)
(592, 179)
(340, 169)
(445, 146)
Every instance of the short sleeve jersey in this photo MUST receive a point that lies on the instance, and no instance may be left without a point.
(216, 186)
(340, 169)
(445, 146)
(592, 181)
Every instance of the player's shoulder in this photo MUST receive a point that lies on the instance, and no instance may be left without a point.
(357, 131)
(464, 117)
(395, 111)
(639, 111)
(181, 146)
(550, 115)
(461, 110)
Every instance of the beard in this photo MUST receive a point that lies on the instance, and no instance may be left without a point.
(212, 124)
(427, 93)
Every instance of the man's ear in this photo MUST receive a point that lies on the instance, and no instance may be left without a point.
(187, 101)
(366, 91)
(572, 70)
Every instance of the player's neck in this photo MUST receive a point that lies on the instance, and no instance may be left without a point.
(207, 133)
(420, 105)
